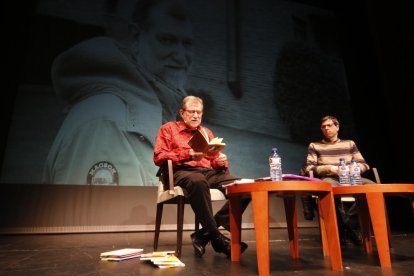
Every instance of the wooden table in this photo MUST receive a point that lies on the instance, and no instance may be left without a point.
(371, 204)
(260, 203)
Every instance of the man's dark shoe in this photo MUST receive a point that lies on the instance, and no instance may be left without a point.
(355, 237)
(220, 244)
(343, 241)
(200, 239)
(243, 245)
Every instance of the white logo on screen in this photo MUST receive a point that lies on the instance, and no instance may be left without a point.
(103, 173)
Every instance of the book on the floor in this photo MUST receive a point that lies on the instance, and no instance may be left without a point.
(163, 259)
(156, 254)
(168, 261)
(121, 254)
(199, 143)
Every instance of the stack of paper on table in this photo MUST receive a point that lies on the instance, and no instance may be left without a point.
(240, 181)
(163, 259)
(285, 177)
(289, 176)
(121, 254)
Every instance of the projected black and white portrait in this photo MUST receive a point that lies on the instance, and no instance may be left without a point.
(103, 75)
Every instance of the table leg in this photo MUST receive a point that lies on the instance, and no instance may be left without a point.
(235, 226)
(260, 204)
(377, 211)
(292, 225)
(322, 227)
(328, 214)
(364, 221)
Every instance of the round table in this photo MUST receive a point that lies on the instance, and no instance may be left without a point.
(288, 190)
(371, 207)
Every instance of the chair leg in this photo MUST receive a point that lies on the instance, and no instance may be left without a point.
(412, 204)
(158, 218)
(388, 227)
(180, 223)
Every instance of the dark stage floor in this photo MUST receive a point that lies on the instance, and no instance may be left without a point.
(78, 254)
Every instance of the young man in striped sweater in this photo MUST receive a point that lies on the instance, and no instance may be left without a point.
(323, 160)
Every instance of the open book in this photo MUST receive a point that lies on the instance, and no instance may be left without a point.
(199, 143)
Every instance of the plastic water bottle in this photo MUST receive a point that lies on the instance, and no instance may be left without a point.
(343, 173)
(355, 173)
(275, 165)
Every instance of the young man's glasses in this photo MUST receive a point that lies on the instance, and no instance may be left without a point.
(327, 126)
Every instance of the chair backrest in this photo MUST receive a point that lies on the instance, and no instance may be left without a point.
(376, 175)
(311, 174)
(164, 172)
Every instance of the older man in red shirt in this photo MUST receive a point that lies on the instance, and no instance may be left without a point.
(197, 172)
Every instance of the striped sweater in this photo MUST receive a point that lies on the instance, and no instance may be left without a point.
(322, 155)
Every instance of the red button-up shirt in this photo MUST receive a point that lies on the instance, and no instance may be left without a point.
(172, 143)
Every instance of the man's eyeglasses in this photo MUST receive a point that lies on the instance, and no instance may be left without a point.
(192, 112)
(327, 125)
